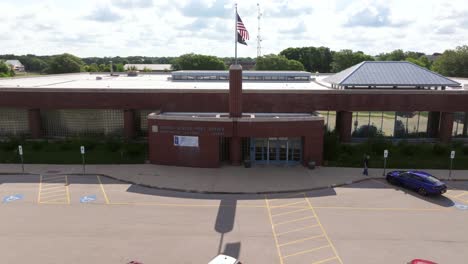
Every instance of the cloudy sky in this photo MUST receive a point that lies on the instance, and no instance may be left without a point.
(171, 28)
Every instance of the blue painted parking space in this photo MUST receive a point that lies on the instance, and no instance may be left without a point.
(88, 199)
(12, 198)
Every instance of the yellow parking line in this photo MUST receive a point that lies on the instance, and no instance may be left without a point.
(301, 240)
(295, 220)
(325, 260)
(54, 177)
(57, 191)
(40, 189)
(68, 190)
(273, 229)
(381, 208)
(55, 200)
(52, 202)
(184, 205)
(295, 230)
(460, 195)
(102, 189)
(285, 205)
(323, 230)
(291, 212)
(287, 196)
(50, 196)
(307, 251)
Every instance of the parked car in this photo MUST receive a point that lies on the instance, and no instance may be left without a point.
(421, 261)
(423, 182)
(223, 259)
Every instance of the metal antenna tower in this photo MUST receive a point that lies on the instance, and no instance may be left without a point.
(259, 38)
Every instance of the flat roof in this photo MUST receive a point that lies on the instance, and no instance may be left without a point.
(158, 82)
(142, 81)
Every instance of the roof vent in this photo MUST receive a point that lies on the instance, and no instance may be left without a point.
(98, 78)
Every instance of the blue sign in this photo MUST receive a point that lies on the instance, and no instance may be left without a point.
(88, 199)
(12, 198)
(461, 206)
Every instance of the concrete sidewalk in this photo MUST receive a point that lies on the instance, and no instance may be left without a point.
(228, 179)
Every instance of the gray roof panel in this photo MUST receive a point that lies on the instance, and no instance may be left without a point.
(389, 73)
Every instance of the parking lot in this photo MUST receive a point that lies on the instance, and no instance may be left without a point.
(54, 218)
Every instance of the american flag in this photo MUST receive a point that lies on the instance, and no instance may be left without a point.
(242, 30)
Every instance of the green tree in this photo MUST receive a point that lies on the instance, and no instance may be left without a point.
(65, 63)
(453, 62)
(346, 58)
(396, 55)
(119, 67)
(198, 62)
(422, 61)
(4, 68)
(314, 59)
(277, 63)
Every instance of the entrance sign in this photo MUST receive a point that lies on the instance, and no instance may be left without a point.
(452, 154)
(186, 141)
(20, 150)
(82, 150)
(385, 154)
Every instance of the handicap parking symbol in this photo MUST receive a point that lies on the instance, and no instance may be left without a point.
(12, 198)
(88, 198)
(461, 206)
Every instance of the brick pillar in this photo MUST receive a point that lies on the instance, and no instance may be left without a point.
(465, 125)
(344, 120)
(34, 119)
(433, 121)
(235, 150)
(235, 91)
(235, 111)
(129, 124)
(446, 127)
(312, 149)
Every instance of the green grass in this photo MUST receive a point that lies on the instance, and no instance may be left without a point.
(68, 152)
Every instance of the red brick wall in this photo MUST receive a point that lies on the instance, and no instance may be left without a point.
(217, 101)
(163, 151)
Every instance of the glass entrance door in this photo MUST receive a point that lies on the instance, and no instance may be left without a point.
(275, 150)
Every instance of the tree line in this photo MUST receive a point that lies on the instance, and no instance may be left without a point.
(453, 62)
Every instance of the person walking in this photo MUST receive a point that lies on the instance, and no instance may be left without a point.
(366, 165)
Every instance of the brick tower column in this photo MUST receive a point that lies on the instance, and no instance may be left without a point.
(235, 111)
(344, 120)
(433, 121)
(129, 124)
(34, 120)
(446, 127)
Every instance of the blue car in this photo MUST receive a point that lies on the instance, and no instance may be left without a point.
(422, 182)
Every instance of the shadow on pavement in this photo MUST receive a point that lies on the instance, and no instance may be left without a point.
(225, 220)
(440, 200)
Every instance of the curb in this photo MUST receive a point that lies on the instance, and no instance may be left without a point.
(223, 193)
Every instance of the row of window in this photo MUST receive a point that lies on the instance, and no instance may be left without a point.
(247, 78)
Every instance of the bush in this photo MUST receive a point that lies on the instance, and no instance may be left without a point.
(88, 144)
(67, 145)
(379, 144)
(11, 144)
(113, 145)
(38, 145)
(440, 149)
(465, 150)
(133, 150)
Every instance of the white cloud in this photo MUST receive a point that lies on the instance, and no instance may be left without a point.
(171, 28)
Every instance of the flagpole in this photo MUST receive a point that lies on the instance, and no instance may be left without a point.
(235, 35)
